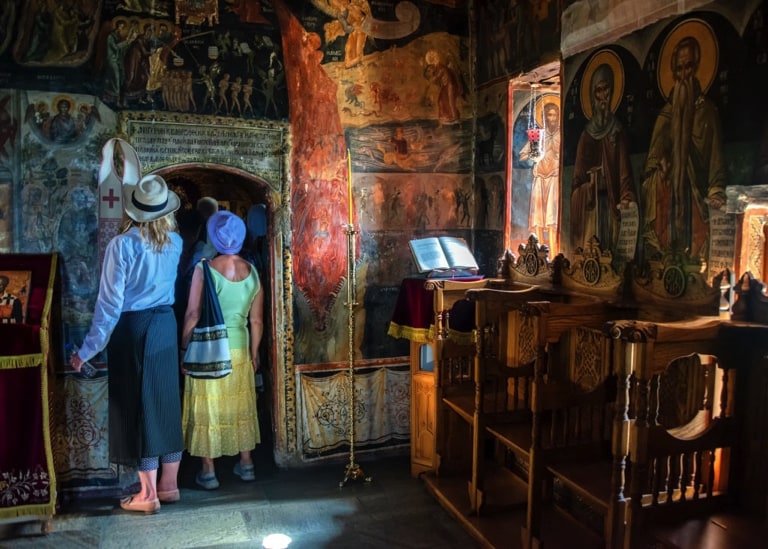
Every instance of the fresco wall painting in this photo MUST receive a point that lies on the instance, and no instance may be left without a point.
(385, 81)
(490, 167)
(655, 131)
(513, 39)
(52, 184)
(591, 23)
(603, 191)
(138, 55)
(535, 182)
(226, 59)
(375, 81)
(515, 36)
(9, 129)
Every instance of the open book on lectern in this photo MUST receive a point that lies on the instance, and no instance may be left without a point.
(443, 256)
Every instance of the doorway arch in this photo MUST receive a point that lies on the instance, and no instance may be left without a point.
(249, 160)
(237, 190)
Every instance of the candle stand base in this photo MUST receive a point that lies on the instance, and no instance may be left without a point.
(354, 472)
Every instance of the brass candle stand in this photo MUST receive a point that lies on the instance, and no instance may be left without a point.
(353, 470)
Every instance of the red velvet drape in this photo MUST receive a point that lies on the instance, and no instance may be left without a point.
(27, 479)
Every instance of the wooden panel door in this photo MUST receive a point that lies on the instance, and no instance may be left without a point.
(423, 409)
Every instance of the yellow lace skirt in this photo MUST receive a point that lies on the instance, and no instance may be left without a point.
(219, 415)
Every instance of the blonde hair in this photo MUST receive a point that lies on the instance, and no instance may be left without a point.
(156, 232)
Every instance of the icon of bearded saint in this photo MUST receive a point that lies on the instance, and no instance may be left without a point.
(685, 170)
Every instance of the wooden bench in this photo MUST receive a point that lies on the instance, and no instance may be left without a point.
(670, 407)
(516, 335)
(572, 427)
(459, 483)
(464, 400)
(684, 432)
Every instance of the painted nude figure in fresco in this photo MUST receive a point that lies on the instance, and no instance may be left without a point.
(684, 172)
(545, 188)
(350, 15)
(602, 175)
(353, 18)
(234, 94)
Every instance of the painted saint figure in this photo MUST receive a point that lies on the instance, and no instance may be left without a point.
(545, 196)
(10, 305)
(449, 87)
(62, 128)
(602, 174)
(684, 172)
(137, 69)
(114, 69)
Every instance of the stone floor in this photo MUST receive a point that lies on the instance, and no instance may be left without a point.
(392, 510)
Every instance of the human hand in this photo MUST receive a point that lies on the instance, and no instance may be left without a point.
(664, 166)
(76, 362)
(81, 366)
(182, 352)
(715, 202)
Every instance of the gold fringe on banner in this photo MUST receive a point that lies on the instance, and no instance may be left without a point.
(20, 361)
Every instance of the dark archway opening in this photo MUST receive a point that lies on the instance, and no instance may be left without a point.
(238, 191)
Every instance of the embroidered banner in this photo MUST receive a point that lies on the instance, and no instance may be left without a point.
(382, 410)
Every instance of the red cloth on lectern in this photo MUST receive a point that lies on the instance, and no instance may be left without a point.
(414, 314)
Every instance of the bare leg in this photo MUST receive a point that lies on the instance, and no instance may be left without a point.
(245, 458)
(148, 486)
(169, 478)
(208, 465)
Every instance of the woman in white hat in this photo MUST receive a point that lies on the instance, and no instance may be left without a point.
(132, 319)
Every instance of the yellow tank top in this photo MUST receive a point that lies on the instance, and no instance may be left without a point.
(235, 299)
